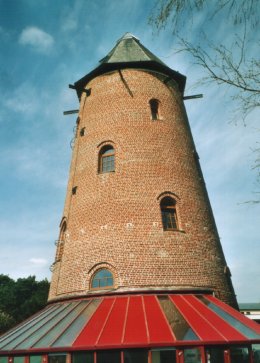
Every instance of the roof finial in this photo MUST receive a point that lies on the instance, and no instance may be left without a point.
(128, 36)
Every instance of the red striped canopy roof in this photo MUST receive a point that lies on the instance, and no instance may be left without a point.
(130, 321)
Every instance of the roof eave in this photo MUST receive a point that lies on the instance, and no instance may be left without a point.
(146, 65)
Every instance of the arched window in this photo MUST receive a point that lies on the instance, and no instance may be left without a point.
(102, 279)
(107, 159)
(61, 240)
(154, 106)
(63, 229)
(169, 215)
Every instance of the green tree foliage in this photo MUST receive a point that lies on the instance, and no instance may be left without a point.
(6, 322)
(20, 299)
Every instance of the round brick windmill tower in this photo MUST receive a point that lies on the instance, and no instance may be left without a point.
(137, 216)
(139, 274)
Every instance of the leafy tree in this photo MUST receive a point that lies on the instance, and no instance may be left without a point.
(7, 300)
(6, 322)
(20, 299)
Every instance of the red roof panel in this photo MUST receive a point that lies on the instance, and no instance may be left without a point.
(236, 314)
(158, 326)
(135, 329)
(223, 328)
(201, 326)
(112, 333)
(90, 334)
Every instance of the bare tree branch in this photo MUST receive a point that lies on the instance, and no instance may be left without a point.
(229, 64)
(177, 11)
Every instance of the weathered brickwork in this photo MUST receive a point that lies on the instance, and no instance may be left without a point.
(114, 219)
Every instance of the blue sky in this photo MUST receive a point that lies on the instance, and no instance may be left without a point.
(46, 45)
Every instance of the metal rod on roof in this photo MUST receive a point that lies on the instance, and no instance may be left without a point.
(70, 112)
(86, 90)
(193, 96)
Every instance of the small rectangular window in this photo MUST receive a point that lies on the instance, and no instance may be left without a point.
(109, 356)
(154, 106)
(108, 163)
(192, 355)
(215, 355)
(18, 360)
(107, 159)
(256, 352)
(135, 356)
(239, 355)
(74, 190)
(82, 131)
(169, 219)
(83, 357)
(164, 356)
(35, 359)
(57, 358)
(168, 212)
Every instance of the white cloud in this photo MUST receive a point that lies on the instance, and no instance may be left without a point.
(36, 162)
(28, 249)
(71, 15)
(69, 24)
(23, 100)
(38, 39)
(38, 261)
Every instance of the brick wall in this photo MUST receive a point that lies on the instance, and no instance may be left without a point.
(114, 219)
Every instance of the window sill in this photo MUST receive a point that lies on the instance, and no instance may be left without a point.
(106, 172)
(157, 119)
(103, 288)
(174, 230)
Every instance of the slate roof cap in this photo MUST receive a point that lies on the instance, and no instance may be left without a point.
(130, 53)
(129, 49)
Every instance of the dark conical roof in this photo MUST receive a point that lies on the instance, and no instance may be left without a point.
(129, 49)
(130, 53)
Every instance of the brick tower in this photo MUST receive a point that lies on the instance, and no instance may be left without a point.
(137, 215)
(139, 272)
